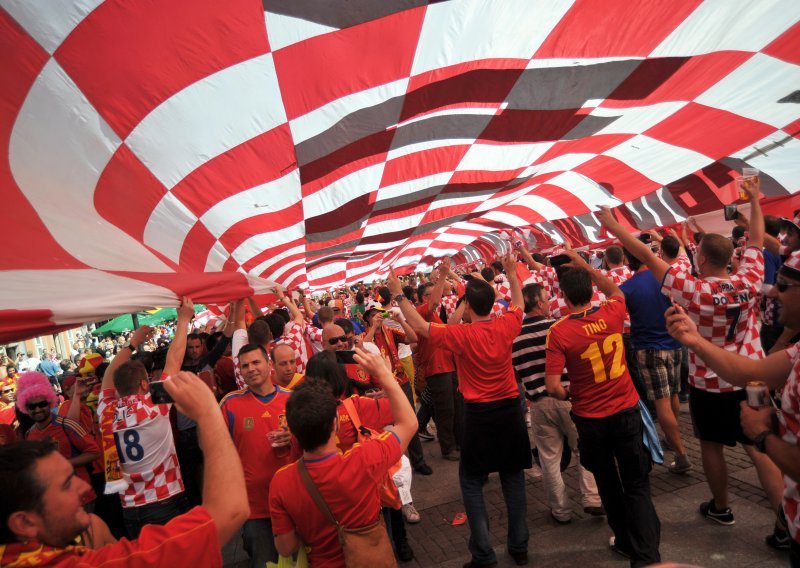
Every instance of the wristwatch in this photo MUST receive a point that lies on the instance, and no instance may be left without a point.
(130, 346)
(399, 298)
(759, 441)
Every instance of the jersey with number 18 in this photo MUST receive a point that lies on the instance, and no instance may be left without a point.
(589, 344)
(143, 435)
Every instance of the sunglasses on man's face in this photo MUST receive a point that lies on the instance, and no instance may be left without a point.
(783, 285)
(335, 340)
(37, 405)
(6, 391)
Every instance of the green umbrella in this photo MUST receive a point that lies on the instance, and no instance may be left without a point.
(116, 325)
(125, 321)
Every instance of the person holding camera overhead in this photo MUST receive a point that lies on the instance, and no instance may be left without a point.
(142, 432)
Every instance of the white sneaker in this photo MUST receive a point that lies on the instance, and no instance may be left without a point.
(410, 513)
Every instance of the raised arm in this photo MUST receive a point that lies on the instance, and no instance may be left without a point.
(177, 349)
(224, 493)
(636, 247)
(732, 367)
(605, 285)
(510, 266)
(138, 337)
(297, 315)
(414, 320)
(405, 419)
(438, 286)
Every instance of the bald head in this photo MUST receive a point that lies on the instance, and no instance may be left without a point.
(284, 361)
(334, 332)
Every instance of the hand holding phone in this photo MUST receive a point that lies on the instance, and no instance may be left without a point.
(159, 394)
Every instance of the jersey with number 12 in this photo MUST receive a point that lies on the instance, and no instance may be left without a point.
(725, 312)
(143, 435)
(589, 344)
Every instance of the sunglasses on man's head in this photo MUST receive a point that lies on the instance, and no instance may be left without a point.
(36, 405)
(335, 340)
(783, 285)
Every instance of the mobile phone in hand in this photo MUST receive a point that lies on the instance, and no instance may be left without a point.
(345, 357)
(730, 212)
(159, 394)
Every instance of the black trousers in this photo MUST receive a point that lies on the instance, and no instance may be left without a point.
(415, 455)
(612, 449)
(448, 409)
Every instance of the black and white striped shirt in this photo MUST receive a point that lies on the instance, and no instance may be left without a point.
(528, 355)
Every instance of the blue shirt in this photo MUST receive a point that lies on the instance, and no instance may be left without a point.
(646, 306)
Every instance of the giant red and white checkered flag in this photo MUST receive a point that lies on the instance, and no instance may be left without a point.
(156, 149)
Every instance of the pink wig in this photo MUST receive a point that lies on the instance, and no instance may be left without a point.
(32, 385)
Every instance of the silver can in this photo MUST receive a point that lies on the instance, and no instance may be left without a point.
(757, 394)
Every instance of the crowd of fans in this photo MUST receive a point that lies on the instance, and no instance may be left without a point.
(302, 422)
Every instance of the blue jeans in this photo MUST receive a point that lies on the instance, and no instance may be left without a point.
(159, 513)
(513, 483)
(259, 542)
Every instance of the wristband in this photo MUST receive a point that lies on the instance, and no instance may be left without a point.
(760, 440)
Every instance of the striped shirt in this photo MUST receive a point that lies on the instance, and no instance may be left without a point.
(528, 355)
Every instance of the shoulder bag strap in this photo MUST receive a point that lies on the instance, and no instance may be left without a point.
(314, 492)
(352, 412)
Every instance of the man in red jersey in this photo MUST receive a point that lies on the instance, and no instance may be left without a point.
(347, 482)
(256, 419)
(495, 435)
(605, 407)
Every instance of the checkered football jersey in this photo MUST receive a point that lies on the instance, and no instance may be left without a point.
(618, 276)
(725, 312)
(449, 303)
(789, 429)
(146, 449)
(294, 336)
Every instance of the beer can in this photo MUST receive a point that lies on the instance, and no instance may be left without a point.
(757, 394)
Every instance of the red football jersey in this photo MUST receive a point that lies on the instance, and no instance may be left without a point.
(250, 418)
(589, 344)
(349, 485)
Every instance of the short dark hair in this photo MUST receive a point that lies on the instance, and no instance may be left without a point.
(408, 292)
(531, 294)
(737, 233)
(614, 254)
(488, 273)
(193, 336)
(325, 367)
(259, 332)
(717, 250)
(23, 491)
(252, 347)
(498, 267)
(310, 412)
(283, 314)
(633, 262)
(576, 284)
(422, 288)
(128, 377)
(345, 324)
(480, 296)
(772, 225)
(385, 295)
(670, 246)
(276, 324)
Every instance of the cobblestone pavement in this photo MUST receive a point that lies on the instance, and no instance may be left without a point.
(686, 537)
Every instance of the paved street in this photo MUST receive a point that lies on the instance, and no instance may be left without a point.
(686, 537)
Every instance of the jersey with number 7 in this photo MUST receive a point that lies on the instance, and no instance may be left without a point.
(589, 344)
(725, 312)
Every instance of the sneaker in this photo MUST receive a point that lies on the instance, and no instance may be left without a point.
(680, 465)
(455, 456)
(424, 469)
(520, 558)
(724, 517)
(595, 511)
(425, 436)
(560, 521)
(410, 513)
(779, 539)
(612, 544)
(404, 552)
